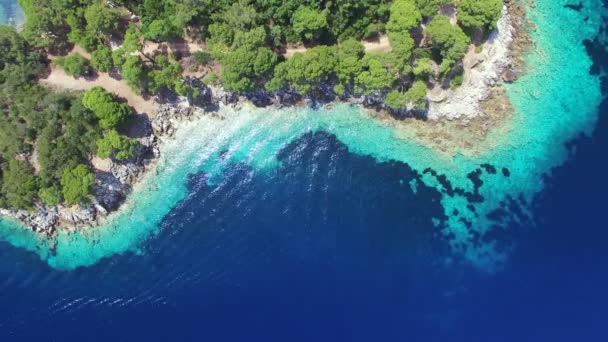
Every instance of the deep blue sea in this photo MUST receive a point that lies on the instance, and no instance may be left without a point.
(344, 257)
(332, 246)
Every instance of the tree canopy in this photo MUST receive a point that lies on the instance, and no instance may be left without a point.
(74, 64)
(309, 23)
(101, 59)
(77, 183)
(404, 16)
(115, 145)
(33, 119)
(450, 40)
(111, 114)
(479, 13)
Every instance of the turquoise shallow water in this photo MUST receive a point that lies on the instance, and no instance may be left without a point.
(554, 102)
(11, 13)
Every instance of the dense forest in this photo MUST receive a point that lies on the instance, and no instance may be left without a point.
(48, 138)
(246, 38)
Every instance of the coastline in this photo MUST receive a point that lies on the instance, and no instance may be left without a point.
(512, 171)
(483, 71)
(495, 60)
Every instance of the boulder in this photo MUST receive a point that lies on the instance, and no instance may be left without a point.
(78, 215)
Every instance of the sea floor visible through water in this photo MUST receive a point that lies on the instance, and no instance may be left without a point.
(324, 225)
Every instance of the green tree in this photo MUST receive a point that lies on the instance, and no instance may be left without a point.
(264, 62)
(348, 68)
(479, 13)
(279, 77)
(351, 48)
(96, 98)
(202, 57)
(238, 70)
(51, 196)
(111, 114)
(101, 19)
(252, 39)
(46, 24)
(161, 30)
(304, 71)
(395, 100)
(115, 145)
(134, 73)
(77, 183)
(210, 79)
(74, 65)
(416, 95)
(132, 40)
(375, 78)
(451, 41)
(101, 59)
(19, 184)
(403, 45)
(239, 15)
(423, 68)
(168, 74)
(429, 8)
(349, 64)
(413, 98)
(404, 16)
(220, 34)
(309, 23)
(248, 61)
(14, 50)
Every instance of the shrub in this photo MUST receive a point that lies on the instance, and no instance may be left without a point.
(115, 145)
(456, 81)
(101, 59)
(111, 114)
(202, 57)
(77, 183)
(74, 65)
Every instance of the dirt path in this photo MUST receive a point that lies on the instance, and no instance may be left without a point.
(290, 51)
(379, 45)
(186, 48)
(33, 159)
(59, 79)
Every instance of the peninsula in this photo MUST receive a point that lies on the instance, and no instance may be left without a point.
(87, 91)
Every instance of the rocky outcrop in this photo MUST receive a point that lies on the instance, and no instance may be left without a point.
(42, 220)
(109, 190)
(78, 215)
(168, 115)
(482, 71)
(113, 180)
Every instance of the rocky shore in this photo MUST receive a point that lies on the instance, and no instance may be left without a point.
(482, 71)
(498, 61)
(114, 179)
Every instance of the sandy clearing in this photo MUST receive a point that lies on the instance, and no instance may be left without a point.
(290, 51)
(186, 47)
(378, 45)
(59, 79)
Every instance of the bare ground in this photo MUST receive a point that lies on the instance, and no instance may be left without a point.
(59, 79)
(379, 45)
